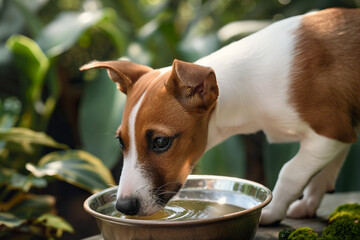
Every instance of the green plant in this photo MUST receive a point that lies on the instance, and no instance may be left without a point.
(41, 51)
(343, 225)
(350, 210)
(285, 233)
(23, 213)
(342, 228)
(303, 233)
(26, 166)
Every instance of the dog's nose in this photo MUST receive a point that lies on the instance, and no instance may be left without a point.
(128, 205)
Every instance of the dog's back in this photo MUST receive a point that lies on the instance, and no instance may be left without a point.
(325, 85)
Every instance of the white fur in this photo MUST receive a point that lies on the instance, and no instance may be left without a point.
(133, 180)
(317, 163)
(253, 76)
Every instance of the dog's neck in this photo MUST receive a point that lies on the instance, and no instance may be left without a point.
(231, 115)
(253, 78)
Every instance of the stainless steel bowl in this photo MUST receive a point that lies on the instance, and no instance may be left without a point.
(238, 225)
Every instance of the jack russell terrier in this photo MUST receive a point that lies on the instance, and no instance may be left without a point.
(296, 80)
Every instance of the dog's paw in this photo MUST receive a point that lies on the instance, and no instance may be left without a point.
(269, 217)
(302, 208)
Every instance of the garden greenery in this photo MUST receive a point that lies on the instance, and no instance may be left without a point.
(42, 45)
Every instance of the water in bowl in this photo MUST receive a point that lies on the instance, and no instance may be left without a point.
(179, 210)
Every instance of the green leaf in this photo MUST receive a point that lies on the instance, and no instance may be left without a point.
(117, 37)
(28, 205)
(64, 31)
(10, 220)
(9, 111)
(29, 49)
(100, 140)
(52, 221)
(75, 167)
(130, 10)
(24, 183)
(32, 63)
(17, 180)
(26, 137)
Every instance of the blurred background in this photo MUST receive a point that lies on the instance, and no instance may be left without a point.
(57, 124)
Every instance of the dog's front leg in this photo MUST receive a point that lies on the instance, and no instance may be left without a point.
(315, 153)
(323, 182)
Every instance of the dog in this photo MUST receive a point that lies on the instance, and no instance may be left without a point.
(296, 80)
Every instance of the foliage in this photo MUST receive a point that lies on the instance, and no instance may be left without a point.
(303, 233)
(351, 210)
(24, 117)
(40, 53)
(344, 228)
(36, 60)
(76, 167)
(27, 214)
(343, 224)
(285, 233)
(100, 140)
(24, 137)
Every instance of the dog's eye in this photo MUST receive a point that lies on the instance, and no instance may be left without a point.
(122, 146)
(161, 144)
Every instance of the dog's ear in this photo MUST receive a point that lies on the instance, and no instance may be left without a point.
(124, 73)
(193, 85)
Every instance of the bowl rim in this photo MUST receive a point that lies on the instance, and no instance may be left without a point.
(159, 223)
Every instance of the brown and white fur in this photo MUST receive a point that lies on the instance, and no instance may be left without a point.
(296, 80)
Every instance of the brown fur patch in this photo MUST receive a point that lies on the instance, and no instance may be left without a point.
(161, 113)
(124, 73)
(193, 86)
(325, 87)
(134, 94)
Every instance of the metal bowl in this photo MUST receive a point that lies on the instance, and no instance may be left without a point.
(237, 225)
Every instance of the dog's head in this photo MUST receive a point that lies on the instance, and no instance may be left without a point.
(163, 131)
